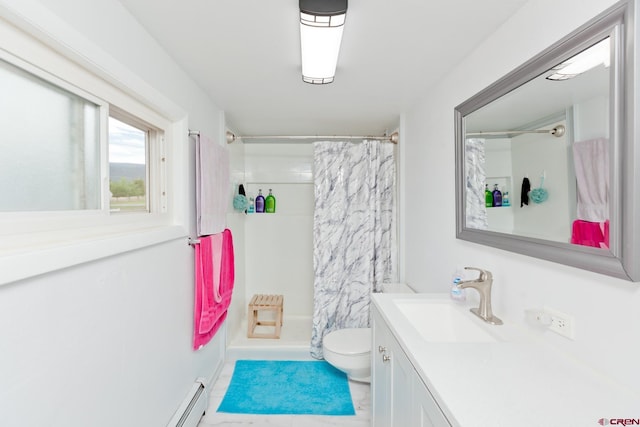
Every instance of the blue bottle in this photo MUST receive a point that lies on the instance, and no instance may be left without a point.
(497, 196)
(260, 202)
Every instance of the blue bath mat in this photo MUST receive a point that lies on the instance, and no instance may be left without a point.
(287, 387)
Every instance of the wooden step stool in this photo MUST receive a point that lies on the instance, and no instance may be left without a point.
(261, 302)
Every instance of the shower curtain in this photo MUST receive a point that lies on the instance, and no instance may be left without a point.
(353, 232)
(476, 210)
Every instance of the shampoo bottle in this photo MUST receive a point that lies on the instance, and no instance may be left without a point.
(497, 196)
(260, 202)
(506, 200)
(457, 294)
(270, 203)
(252, 206)
(488, 196)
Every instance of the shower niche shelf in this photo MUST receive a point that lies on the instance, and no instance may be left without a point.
(504, 184)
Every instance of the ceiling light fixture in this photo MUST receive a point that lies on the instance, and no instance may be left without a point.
(590, 58)
(321, 25)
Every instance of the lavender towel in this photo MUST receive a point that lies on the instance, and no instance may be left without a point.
(212, 186)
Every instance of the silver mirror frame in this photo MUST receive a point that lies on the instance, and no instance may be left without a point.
(623, 258)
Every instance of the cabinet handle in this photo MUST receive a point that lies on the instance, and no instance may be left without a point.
(381, 349)
(385, 358)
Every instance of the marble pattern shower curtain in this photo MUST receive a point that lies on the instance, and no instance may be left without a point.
(353, 232)
(476, 210)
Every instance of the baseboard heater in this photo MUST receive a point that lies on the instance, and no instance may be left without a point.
(192, 408)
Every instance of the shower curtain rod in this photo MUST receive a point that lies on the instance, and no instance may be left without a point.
(557, 131)
(393, 138)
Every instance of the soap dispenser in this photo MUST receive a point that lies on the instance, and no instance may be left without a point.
(260, 202)
(270, 203)
(497, 196)
(457, 294)
(488, 196)
(506, 199)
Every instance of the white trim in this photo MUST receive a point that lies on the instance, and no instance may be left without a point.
(402, 201)
(54, 256)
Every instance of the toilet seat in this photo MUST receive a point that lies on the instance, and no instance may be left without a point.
(350, 341)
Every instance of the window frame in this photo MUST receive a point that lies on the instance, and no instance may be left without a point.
(68, 238)
(156, 156)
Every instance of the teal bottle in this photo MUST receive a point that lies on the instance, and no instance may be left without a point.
(506, 199)
(270, 203)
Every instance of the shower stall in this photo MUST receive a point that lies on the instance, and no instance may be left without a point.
(274, 251)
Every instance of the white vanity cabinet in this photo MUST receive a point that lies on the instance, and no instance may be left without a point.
(399, 397)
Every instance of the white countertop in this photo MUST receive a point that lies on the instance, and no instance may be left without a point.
(519, 380)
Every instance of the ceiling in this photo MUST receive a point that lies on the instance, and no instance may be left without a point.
(246, 55)
(539, 99)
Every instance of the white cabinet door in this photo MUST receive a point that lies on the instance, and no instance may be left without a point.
(391, 380)
(399, 397)
(403, 411)
(380, 375)
(427, 411)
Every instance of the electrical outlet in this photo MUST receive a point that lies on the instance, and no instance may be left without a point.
(561, 323)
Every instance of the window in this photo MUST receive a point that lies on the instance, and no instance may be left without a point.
(52, 157)
(128, 175)
(50, 145)
(70, 159)
(56, 209)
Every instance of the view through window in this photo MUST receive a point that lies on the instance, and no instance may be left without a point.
(127, 167)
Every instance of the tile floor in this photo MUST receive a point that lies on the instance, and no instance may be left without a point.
(359, 392)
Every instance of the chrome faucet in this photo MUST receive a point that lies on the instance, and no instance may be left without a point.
(483, 285)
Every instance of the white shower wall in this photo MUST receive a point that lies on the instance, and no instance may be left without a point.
(279, 247)
(236, 223)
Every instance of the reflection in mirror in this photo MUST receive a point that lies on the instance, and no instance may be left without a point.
(537, 161)
(545, 156)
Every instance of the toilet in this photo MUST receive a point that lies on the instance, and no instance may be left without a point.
(349, 350)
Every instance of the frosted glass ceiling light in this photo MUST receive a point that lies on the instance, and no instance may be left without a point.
(597, 54)
(321, 25)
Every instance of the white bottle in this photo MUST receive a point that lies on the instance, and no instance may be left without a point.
(457, 294)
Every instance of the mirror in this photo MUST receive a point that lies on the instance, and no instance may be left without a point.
(545, 156)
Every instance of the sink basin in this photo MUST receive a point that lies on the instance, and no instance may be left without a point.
(443, 321)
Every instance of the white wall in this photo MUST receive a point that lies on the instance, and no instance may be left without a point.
(236, 223)
(591, 119)
(108, 342)
(498, 170)
(606, 310)
(273, 252)
(279, 247)
(533, 157)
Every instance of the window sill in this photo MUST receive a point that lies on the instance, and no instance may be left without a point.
(28, 259)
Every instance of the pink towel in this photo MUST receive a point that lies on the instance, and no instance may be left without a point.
(214, 271)
(586, 233)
